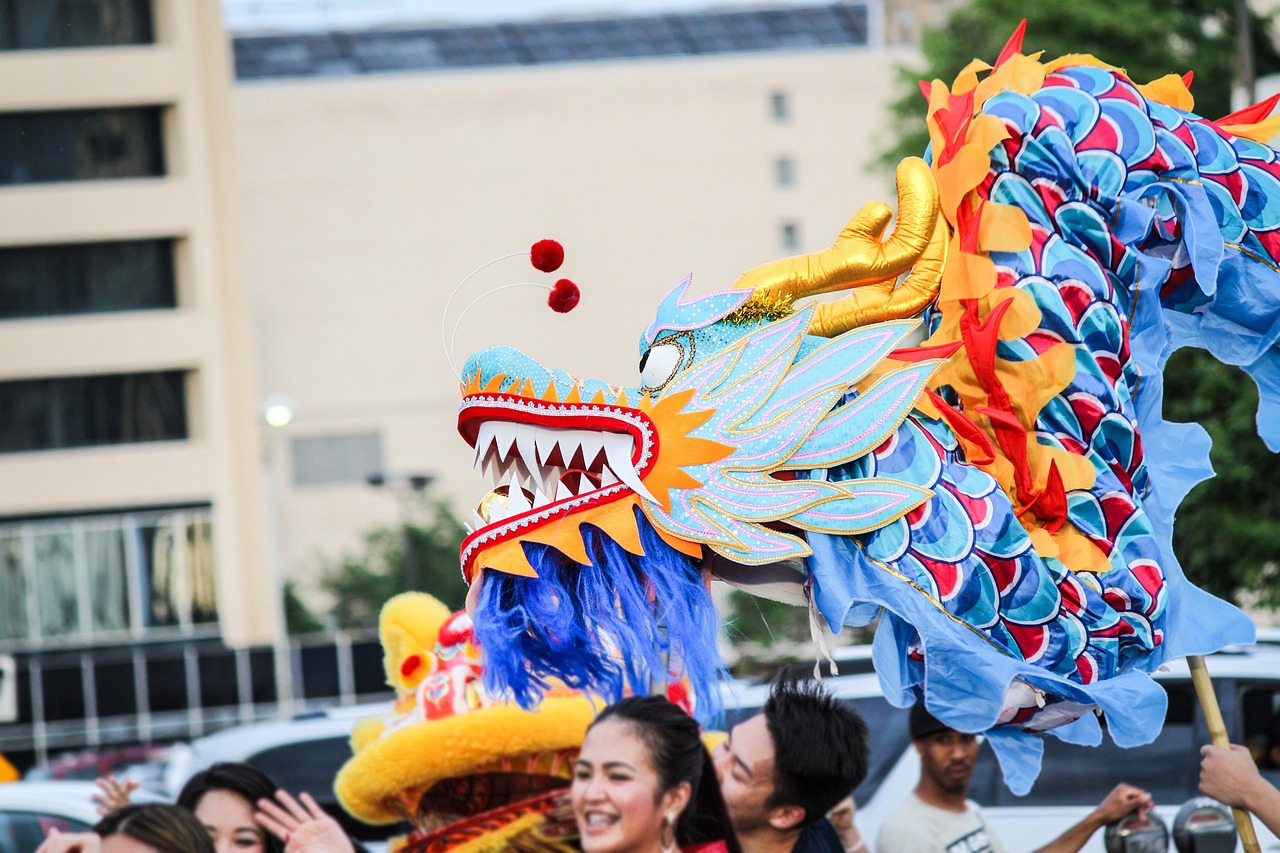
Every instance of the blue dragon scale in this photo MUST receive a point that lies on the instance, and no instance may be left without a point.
(966, 442)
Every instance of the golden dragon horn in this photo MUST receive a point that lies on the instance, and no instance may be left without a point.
(860, 255)
(882, 301)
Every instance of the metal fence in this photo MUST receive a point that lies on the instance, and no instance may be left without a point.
(118, 696)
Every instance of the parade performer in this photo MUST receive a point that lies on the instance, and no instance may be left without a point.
(1001, 493)
(469, 774)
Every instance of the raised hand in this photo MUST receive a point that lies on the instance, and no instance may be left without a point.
(303, 826)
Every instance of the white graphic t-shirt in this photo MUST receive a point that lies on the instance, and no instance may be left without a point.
(917, 827)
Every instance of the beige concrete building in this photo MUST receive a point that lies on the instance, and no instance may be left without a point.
(131, 488)
(367, 197)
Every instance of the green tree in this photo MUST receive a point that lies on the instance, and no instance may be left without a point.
(1148, 38)
(1227, 536)
(298, 618)
(425, 551)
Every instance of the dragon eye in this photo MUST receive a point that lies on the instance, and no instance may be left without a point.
(660, 364)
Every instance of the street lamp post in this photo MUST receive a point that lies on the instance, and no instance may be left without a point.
(277, 413)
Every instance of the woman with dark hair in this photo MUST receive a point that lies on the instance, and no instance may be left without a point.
(151, 828)
(223, 798)
(644, 783)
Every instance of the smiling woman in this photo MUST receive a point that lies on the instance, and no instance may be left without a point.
(644, 783)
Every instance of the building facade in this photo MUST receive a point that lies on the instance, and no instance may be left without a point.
(131, 477)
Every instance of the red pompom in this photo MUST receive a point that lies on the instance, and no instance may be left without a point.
(564, 296)
(546, 255)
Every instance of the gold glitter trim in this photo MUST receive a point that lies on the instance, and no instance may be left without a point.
(763, 307)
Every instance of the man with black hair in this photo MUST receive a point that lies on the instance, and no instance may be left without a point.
(938, 817)
(782, 770)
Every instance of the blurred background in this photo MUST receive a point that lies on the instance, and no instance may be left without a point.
(228, 232)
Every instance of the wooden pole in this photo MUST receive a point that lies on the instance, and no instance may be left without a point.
(1218, 735)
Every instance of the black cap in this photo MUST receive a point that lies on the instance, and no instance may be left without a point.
(924, 724)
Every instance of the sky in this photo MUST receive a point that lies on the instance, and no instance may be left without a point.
(330, 14)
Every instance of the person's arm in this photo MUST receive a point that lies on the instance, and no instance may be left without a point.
(1231, 777)
(1122, 800)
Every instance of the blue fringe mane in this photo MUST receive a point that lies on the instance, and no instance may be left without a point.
(610, 629)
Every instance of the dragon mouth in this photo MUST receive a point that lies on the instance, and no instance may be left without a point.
(548, 459)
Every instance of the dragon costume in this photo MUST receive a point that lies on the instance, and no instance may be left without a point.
(469, 774)
(1002, 491)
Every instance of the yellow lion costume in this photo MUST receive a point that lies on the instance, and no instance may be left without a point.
(470, 774)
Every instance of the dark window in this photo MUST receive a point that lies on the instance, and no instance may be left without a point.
(86, 278)
(790, 236)
(780, 106)
(889, 736)
(80, 145)
(84, 411)
(1168, 767)
(785, 170)
(34, 24)
(27, 830)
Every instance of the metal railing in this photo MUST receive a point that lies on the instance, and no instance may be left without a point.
(157, 693)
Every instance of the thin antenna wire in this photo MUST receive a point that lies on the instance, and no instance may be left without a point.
(444, 315)
(454, 337)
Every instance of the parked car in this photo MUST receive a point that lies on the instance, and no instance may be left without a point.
(28, 810)
(302, 754)
(1074, 779)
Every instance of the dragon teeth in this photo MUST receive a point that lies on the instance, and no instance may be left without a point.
(526, 437)
(517, 501)
(504, 436)
(533, 461)
(617, 449)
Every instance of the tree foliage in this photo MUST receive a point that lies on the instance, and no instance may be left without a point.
(1227, 534)
(1228, 531)
(422, 555)
(1148, 38)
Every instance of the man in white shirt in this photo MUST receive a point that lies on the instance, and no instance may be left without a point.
(938, 817)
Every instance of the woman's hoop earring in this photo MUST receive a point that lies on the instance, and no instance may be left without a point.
(669, 834)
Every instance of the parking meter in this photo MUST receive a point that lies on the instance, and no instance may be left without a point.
(1136, 833)
(1204, 826)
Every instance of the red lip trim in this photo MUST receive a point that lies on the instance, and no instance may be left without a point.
(597, 417)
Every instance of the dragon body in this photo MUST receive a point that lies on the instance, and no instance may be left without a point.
(1003, 492)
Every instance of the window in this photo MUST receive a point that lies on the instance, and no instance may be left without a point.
(324, 460)
(86, 278)
(80, 145)
(790, 236)
(86, 411)
(27, 830)
(780, 106)
(103, 576)
(1168, 767)
(785, 171)
(34, 24)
